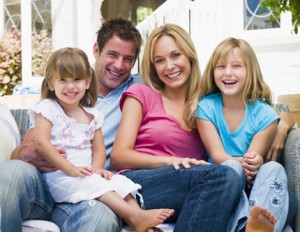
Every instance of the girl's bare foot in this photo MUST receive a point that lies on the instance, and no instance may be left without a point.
(143, 220)
(260, 220)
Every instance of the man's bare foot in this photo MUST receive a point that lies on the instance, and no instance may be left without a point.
(143, 220)
(260, 220)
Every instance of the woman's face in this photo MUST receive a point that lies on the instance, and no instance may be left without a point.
(172, 66)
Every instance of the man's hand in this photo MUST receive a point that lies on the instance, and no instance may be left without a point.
(286, 123)
(277, 146)
(26, 152)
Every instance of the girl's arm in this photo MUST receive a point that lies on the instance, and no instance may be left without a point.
(286, 123)
(262, 141)
(212, 142)
(42, 139)
(123, 154)
(98, 150)
(257, 150)
(99, 155)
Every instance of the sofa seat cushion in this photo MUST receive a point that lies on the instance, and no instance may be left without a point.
(39, 226)
(165, 227)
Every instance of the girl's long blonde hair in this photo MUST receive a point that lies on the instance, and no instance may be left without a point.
(255, 86)
(186, 46)
(70, 63)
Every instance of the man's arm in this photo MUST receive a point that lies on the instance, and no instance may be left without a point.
(286, 123)
(27, 152)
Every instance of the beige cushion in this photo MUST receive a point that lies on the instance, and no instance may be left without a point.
(9, 133)
(293, 103)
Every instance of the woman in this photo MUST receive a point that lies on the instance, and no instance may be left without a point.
(162, 148)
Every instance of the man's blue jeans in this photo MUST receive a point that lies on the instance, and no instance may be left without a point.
(203, 197)
(24, 195)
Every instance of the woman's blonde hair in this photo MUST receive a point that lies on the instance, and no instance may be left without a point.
(186, 46)
(70, 63)
(255, 86)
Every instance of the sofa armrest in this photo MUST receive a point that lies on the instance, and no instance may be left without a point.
(291, 162)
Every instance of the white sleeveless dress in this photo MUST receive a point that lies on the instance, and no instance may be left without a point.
(76, 140)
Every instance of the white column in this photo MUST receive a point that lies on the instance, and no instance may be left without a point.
(63, 23)
(286, 21)
(88, 19)
(26, 42)
(84, 26)
(2, 22)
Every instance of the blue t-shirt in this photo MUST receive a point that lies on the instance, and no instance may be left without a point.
(258, 117)
(109, 105)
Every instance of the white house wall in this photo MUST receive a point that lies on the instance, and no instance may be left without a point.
(75, 23)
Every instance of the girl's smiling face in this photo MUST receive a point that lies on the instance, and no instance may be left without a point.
(230, 74)
(172, 66)
(69, 90)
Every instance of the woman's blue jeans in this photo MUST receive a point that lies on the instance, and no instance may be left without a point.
(203, 197)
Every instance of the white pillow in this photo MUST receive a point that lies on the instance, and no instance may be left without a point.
(9, 133)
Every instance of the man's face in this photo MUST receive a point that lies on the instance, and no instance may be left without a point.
(114, 64)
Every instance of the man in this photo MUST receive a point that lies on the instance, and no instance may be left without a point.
(24, 194)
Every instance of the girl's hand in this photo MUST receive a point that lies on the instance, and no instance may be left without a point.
(81, 171)
(251, 163)
(185, 162)
(104, 173)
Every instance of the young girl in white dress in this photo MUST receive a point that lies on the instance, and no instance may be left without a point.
(66, 119)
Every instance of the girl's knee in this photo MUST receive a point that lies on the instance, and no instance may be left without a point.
(272, 166)
(272, 169)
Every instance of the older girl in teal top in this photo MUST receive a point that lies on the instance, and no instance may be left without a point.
(235, 111)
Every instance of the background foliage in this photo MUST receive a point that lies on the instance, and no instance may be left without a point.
(10, 62)
(281, 6)
(10, 58)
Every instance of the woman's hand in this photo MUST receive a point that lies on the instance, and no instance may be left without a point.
(176, 162)
(251, 163)
(104, 173)
(80, 171)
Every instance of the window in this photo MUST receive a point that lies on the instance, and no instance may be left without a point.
(12, 18)
(257, 17)
(41, 16)
(34, 34)
(40, 11)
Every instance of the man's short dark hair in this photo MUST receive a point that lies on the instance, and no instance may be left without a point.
(123, 28)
